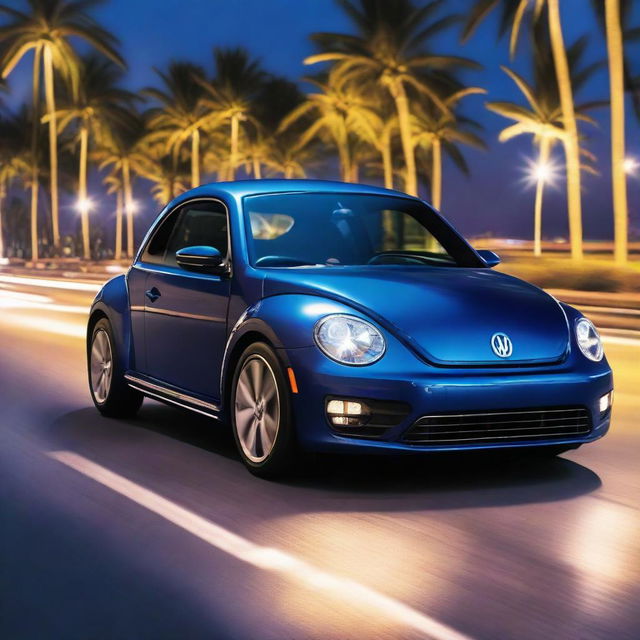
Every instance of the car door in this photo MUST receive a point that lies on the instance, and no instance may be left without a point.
(185, 312)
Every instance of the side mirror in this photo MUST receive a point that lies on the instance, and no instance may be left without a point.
(491, 259)
(201, 258)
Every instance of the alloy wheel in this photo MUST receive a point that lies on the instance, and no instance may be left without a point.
(101, 365)
(257, 408)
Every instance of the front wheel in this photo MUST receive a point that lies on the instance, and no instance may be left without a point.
(261, 413)
(110, 392)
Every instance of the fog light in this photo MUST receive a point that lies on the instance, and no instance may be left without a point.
(606, 401)
(345, 406)
(347, 412)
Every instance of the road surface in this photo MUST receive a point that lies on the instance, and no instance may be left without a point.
(152, 528)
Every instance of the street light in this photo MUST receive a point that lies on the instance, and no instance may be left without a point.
(536, 173)
(630, 166)
(542, 172)
(84, 205)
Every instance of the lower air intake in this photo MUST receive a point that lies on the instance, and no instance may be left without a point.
(500, 426)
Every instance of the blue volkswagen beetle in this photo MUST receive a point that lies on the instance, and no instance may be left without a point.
(332, 317)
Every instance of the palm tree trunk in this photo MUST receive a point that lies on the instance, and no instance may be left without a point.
(195, 158)
(345, 162)
(53, 144)
(118, 249)
(355, 172)
(257, 168)
(128, 205)
(571, 142)
(387, 162)
(436, 174)
(35, 180)
(543, 158)
(82, 192)
(288, 171)
(616, 82)
(404, 121)
(235, 130)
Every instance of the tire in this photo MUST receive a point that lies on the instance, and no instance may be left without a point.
(260, 410)
(109, 390)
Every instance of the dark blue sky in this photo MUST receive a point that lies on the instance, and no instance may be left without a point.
(493, 198)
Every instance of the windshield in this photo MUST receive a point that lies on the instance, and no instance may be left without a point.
(337, 229)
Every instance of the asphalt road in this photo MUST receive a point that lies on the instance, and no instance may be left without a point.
(152, 528)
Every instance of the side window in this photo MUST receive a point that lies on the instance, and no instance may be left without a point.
(157, 246)
(200, 223)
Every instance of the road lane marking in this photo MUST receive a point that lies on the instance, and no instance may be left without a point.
(262, 557)
(21, 300)
(51, 283)
(46, 325)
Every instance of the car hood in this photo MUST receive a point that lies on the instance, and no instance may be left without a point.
(447, 315)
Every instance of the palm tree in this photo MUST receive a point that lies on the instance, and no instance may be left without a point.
(46, 29)
(231, 96)
(616, 83)
(276, 99)
(542, 118)
(34, 159)
(613, 14)
(183, 115)
(513, 12)
(124, 152)
(389, 50)
(436, 131)
(13, 161)
(97, 104)
(169, 173)
(334, 113)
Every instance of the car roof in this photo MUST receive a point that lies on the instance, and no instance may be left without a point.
(242, 188)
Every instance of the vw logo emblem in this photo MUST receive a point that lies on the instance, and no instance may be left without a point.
(501, 345)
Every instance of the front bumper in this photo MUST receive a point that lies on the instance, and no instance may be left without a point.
(400, 377)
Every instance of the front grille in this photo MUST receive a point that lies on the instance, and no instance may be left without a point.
(500, 426)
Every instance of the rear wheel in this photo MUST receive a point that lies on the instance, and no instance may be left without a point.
(261, 413)
(109, 390)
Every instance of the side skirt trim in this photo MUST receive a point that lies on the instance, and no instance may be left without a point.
(175, 397)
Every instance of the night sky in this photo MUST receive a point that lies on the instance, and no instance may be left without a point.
(494, 198)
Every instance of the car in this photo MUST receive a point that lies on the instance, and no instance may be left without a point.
(318, 316)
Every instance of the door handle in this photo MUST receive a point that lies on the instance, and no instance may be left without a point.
(153, 294)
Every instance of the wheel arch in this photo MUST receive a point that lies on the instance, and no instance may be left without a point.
(253, 332)
(112, 303)
(283, 322)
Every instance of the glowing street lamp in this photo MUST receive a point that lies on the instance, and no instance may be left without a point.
(543, 172)
(630, 166)
(84, 205)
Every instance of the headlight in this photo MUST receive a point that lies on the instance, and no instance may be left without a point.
(589, 340)
(349, 340)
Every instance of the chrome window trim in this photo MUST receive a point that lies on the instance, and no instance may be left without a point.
(174, 396)
(158, 223)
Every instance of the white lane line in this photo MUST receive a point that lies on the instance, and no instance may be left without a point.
(51, 284)
(262, 557)
(45, 325)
